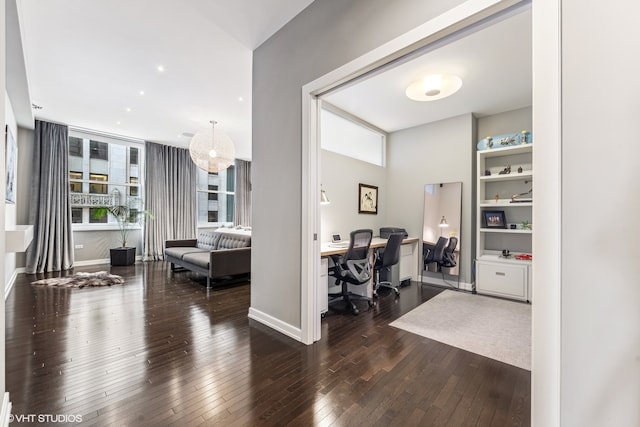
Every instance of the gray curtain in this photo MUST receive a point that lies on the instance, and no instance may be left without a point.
(242, 207)
(170, 195)
(50, 208)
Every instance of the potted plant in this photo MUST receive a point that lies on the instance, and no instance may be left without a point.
(126, 217)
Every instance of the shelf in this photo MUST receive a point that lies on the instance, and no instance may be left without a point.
(504, 230)
(496, 257)
(502, 203)
(507, 151)
(513, 176)
(18, 238)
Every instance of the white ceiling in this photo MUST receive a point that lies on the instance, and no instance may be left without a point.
(87, 62)
(494, 63)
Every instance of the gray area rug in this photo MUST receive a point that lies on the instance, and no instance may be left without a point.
(81, 280)
(492, 327)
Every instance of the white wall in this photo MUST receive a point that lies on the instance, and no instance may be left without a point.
(340, 176)
(437, 152)
(600, 311)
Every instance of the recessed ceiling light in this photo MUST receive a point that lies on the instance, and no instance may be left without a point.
(118, 122)
(160, 68)
(141, 92)
(128, 109)
(434, 87)
(240, 99)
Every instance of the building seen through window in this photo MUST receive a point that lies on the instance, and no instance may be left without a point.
(102, 172)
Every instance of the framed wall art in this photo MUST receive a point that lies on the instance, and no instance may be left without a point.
(368, 199)
(494, 219)
(11, 155)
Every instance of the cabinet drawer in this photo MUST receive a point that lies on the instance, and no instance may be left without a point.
(502, 279)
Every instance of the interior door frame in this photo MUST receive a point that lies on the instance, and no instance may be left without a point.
(463, 17)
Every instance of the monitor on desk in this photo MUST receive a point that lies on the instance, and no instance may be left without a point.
(335, 238)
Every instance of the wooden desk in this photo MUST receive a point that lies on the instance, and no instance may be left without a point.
(327, 249)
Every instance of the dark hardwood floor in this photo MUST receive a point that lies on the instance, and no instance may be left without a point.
(159, 350)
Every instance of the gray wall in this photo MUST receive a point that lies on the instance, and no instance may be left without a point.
(326, 35)
(340, 176)
(437, 152)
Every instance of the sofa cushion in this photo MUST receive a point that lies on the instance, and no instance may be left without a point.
(233, 240)
(180, 251)
(208, 240)
(200, 259)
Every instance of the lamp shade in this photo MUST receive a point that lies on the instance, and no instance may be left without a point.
(212, 150)
(443, 222)
(434, 87)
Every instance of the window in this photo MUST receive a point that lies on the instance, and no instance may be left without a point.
(76, 215)
(352, 138)
(134, 190)
(216, 193)
(97, 188)
(99, 150)
(75, 182)
(75, 147)
(103, 171)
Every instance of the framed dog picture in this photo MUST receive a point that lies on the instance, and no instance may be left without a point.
(368, 199)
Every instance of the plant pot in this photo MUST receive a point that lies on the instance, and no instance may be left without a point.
(123, 256)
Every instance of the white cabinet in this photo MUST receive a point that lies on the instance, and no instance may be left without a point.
(408, 262)
(504, 213)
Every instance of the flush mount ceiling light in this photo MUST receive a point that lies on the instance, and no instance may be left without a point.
(434, 87)
(211, 150)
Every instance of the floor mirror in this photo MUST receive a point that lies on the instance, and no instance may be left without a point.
(441, 234)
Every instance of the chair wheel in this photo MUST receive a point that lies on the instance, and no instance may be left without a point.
(397, 292)
(371, 303)
(355, 311)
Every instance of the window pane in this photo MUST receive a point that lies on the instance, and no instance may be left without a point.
(352, 139)
(134, 190)
(75, 146)
(133, 155)
(213, 196)
(231, 178)
(75, 187)
(98, 188)
(99, 150)
(93, 220)
(213, 216)
(75, 175)
(76, 215)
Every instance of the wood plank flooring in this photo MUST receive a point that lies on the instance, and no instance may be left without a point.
(160, 350)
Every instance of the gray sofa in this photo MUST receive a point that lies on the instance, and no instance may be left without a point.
(220, 254)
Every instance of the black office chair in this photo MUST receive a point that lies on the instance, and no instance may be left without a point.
(390, 257)
(449, 257)
(433, 253)
(352, 267)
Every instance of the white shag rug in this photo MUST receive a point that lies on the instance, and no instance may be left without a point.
(491, 327)
(80, 280)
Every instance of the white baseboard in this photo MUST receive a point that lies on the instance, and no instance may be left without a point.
(5, 411)
(273, 323)
(99, 261)
(428, 280)
(91, 262)
(12, 281)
